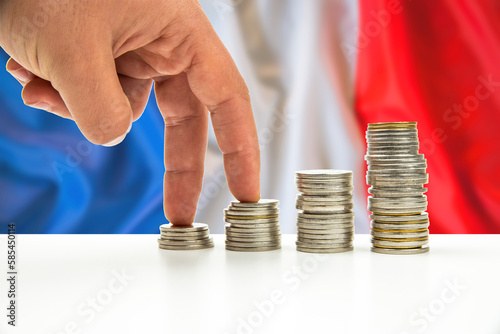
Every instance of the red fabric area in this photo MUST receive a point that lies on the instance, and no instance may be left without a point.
(438, 63)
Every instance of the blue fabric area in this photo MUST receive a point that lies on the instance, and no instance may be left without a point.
(52, 180)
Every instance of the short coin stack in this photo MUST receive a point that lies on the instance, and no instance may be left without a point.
(253, 227)
(397, 174)
(195, 236)
(325, 223)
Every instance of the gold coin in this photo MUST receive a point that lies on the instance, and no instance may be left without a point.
(403, 240)
(399, 247)
(398, 231)
(397, 214)
(392, 125)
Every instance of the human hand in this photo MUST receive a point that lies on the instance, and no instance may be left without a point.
(95, 61)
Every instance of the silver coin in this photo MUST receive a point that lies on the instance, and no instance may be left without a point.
(395, 192)
(396, 167)
(252, 221)
(394, 195)
(396, 183)
(326, 198)
(327, 173)
(267, 203)
(328, 181)
(245, 218)
(392, 150)
(253, 244)
(402, 157)
(394, 159)
(252, 213)
(184, 242)
(256, 230)
(395, 140)
(326, 217)
(265, 221)
(169, 233)
(392, 145)
(183, 238)
(326, 236)
(394, 162)
(324, 250)
(401, 211)
(397, 172)
(399, 235)
(399, 244)
(323, 203)
(246, 231)
(322, 229)
(409, 201)
(413, 199)
(339, 222)
(245, 227)
(384, 218)
(397, 209)
(401, 179)
(399, 227)
(401, 251)
(391, 174)
(396, 206)
(317, 245)
(324, 209)
(397, 202)
(325, 186)
(333, 241)
(251, 209)
(182, 248)
(402, 140)
(249, 226)
(253, 238)
(325, 191)
(270, 238)
(252, 249)
(397, 177)
(183, 229)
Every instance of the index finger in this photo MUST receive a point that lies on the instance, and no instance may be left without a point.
(216, 82)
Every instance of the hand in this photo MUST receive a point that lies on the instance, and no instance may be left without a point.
(95, 61)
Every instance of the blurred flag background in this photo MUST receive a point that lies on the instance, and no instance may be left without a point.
(318, 72)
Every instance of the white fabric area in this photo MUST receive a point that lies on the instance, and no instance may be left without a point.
(301, 86)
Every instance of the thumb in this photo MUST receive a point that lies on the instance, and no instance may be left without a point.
(89, 85)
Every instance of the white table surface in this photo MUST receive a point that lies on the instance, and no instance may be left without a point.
(60, 277)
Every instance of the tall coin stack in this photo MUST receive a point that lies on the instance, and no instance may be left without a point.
(397, 174)
(253, 227)
(195, 236)
(325, 222)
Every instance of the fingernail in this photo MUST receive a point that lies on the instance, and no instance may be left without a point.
(21, 75)
(40, 105)
(115, 141)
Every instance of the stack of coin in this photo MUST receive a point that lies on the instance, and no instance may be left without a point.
(397, 174)
(253, 227)
(325, 222)
(191, 237)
